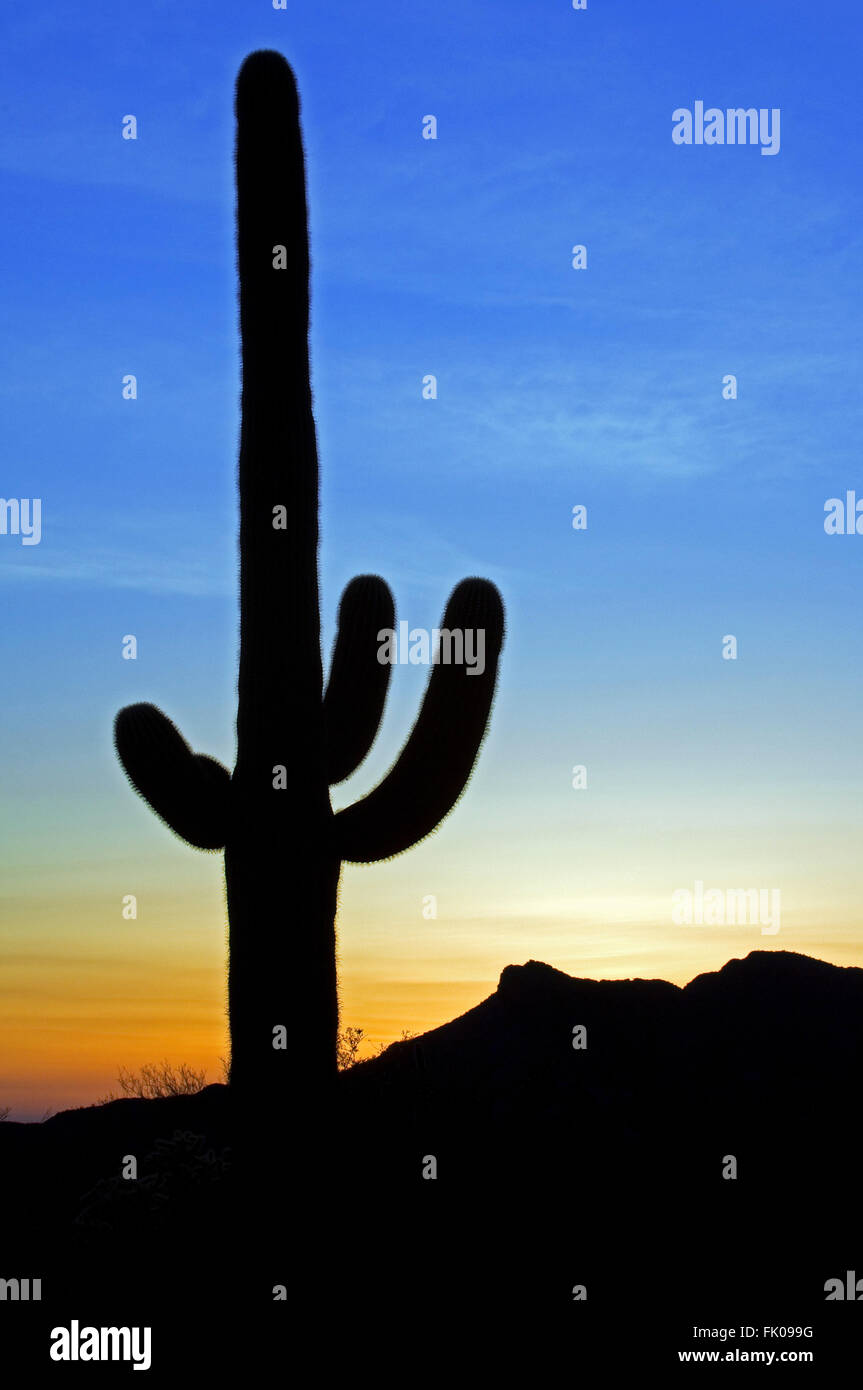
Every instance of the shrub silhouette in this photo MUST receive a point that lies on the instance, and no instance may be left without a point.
(176, 1185)
(156, 1080)
(348, 1044)
(283, 845)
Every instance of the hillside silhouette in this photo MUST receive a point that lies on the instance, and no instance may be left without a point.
(556, 1167)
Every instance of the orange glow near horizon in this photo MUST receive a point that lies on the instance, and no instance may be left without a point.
(81, 996)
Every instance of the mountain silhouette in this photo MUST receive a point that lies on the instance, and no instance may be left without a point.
(753, 1060)
(557, 1166)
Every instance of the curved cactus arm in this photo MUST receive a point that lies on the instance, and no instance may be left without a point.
(188, 791)
(357, 688)
(435, 764)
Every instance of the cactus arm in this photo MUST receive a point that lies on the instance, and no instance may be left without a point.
(435, 764)
(357, 688)
(189, 791)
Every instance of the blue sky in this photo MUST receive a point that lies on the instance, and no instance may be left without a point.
(556, 387)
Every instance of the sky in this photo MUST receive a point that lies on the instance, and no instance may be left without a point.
(557, 387)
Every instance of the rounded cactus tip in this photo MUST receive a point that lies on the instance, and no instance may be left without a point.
(135, 717)
(477, 601)
(265, 76)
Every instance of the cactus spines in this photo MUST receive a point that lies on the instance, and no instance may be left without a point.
(283, 845)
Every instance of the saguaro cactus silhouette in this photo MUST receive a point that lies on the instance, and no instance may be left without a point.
(283, 844)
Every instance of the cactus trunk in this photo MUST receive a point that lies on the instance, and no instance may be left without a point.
(281, 879)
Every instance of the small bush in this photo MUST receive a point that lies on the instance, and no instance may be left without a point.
(155, 1080)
